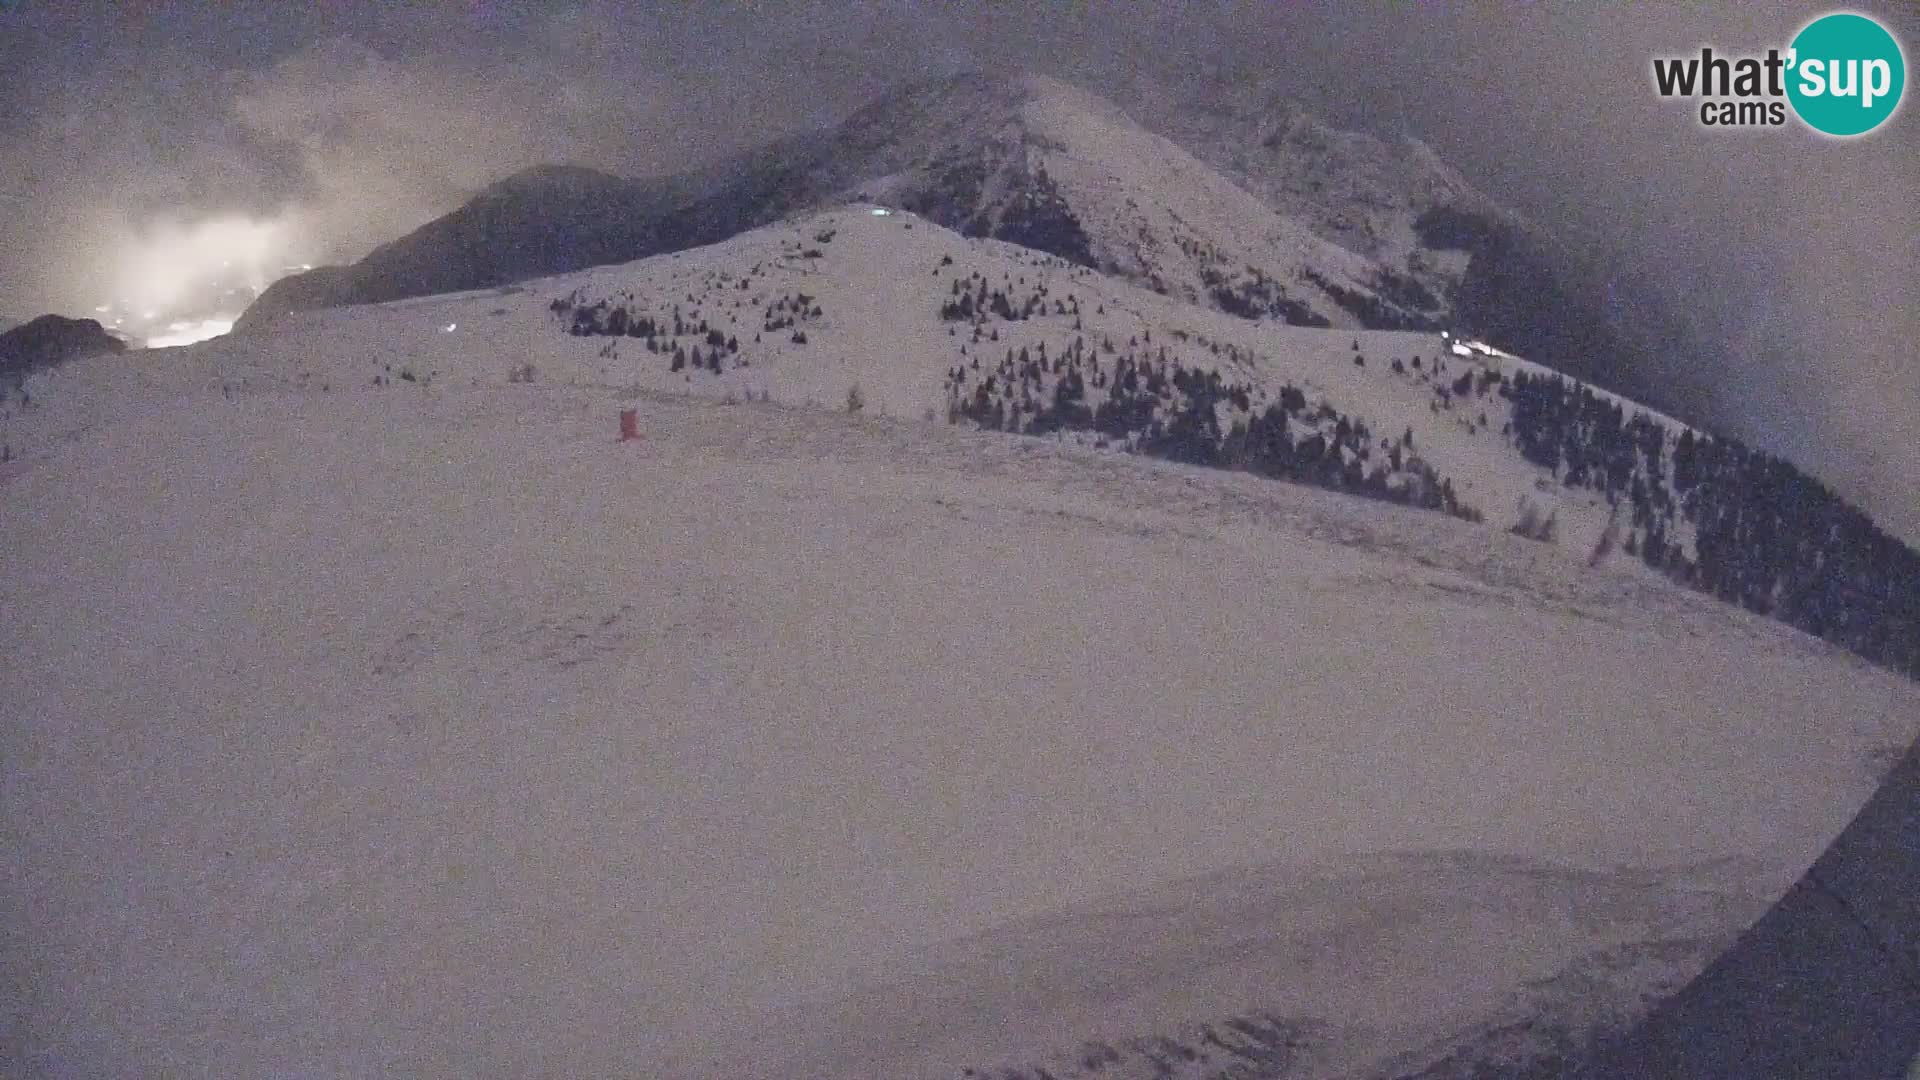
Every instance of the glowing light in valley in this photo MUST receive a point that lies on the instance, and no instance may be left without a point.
(165, 263)
(451, 327)
(178, 283)
(187, 332)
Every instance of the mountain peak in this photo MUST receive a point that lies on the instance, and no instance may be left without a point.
(1243, 202)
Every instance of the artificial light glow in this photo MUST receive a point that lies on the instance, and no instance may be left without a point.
(450, 327)
(189, 332)
(170, 267)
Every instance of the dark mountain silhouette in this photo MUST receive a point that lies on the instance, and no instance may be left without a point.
(542, 221)
(51, 340)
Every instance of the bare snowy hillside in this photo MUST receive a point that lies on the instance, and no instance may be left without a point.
(925, 322)
(372, 709)
(427, 729)
(862, 302)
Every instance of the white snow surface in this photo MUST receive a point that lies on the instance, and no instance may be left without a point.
(426, 729)
(879, 283)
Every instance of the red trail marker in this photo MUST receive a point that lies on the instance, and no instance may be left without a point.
(629, 424)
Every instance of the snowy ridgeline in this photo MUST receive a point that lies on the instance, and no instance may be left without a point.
(1028, 355)
(912, 320)
(1296, 222)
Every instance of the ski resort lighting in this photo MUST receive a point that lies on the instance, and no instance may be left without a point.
(188, 332)
(450, 327)
(881, 211)
(170, 266)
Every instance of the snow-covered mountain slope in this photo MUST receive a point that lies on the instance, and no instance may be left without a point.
(1045, 164)
(1222, 193)
(1362, 192)
(1280, 973)
(426, 729)
(1030, 160)
(925, 323)
(372, 709)
(1397, 202)
(807, 310)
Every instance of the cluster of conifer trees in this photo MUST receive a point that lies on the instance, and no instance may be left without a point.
(1767, 536)
(1154, 404)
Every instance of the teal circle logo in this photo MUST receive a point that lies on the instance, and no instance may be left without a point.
(1847, 74)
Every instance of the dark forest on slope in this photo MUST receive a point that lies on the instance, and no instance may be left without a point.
(1768, 536)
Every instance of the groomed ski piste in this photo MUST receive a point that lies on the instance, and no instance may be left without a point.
(371, 709)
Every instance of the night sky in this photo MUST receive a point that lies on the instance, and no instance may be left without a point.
(343, 125)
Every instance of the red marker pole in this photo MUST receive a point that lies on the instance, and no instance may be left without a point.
(629, 424)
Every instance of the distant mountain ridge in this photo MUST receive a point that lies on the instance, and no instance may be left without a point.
(1030, 160)
(887, 312)
(51, 340)
(1220, 194)
(544, 220)
(1353, 188)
